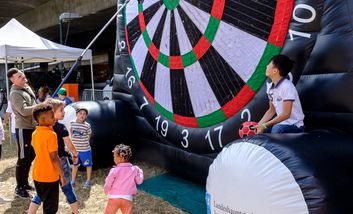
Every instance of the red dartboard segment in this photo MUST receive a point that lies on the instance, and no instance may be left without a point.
(239, 101)
(149, 97)
(279, 29)
(142, 22)
(186, 121)
(217, 9)
(201, 47)
(176, 62)
(154, 51)
(127, 40)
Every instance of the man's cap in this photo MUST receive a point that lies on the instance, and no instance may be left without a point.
(62, 91)
(79, 108)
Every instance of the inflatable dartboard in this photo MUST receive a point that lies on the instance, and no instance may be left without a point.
(194, 66)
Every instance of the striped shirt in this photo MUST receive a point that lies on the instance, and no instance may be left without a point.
(80, 135)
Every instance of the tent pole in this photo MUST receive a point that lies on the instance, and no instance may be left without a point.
(92, 79)
(7, 92)
(7, 79)
(78, 60)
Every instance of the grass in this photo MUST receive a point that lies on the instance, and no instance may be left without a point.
(90, 201)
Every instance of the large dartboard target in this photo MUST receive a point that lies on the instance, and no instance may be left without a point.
(192, 65)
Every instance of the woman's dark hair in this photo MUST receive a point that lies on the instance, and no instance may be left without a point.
(41, 109)
(283, 63)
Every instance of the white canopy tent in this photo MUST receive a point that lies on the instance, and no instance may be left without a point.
(18, 44)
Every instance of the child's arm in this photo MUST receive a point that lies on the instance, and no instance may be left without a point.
(267, 116)
(139, 175)
(56, 162)
(287, 111)
(6, 119)
(89, 132)
(109, 180)
(71, 147)
(269, 113)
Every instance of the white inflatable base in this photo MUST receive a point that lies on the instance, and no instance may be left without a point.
(248, 179)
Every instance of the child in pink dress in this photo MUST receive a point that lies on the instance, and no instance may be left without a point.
(120, 184)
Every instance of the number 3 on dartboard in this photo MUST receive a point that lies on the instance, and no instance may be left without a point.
(185, 142)
(164, 126)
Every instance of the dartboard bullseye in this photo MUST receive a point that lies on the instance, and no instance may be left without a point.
(203, 44)
(196, 64)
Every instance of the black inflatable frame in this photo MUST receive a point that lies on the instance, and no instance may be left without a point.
(324, 77)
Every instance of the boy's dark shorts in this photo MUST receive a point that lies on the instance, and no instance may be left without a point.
(48, 192)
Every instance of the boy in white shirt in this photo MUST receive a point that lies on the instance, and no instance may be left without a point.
(285, 114)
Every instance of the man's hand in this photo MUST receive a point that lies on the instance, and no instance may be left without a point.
(74, 160)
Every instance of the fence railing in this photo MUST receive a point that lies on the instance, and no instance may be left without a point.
(87, 94)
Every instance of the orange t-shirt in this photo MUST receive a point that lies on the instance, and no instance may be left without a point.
(44, 142)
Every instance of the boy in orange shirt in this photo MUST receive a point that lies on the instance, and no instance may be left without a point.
(47, 168)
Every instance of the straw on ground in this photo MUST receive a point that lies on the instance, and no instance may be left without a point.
(90, 201)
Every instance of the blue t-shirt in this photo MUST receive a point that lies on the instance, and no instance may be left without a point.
(67, 100)
(61, 132)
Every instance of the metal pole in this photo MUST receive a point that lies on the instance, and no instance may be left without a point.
(78, 60)
(61, 30)
(92, 80)
(8, 93)
(7, 79)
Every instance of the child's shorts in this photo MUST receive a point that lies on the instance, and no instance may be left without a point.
(85, 158)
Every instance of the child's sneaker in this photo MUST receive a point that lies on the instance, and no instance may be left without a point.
(87, 185)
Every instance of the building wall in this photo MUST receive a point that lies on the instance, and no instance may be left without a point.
(47, 15)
